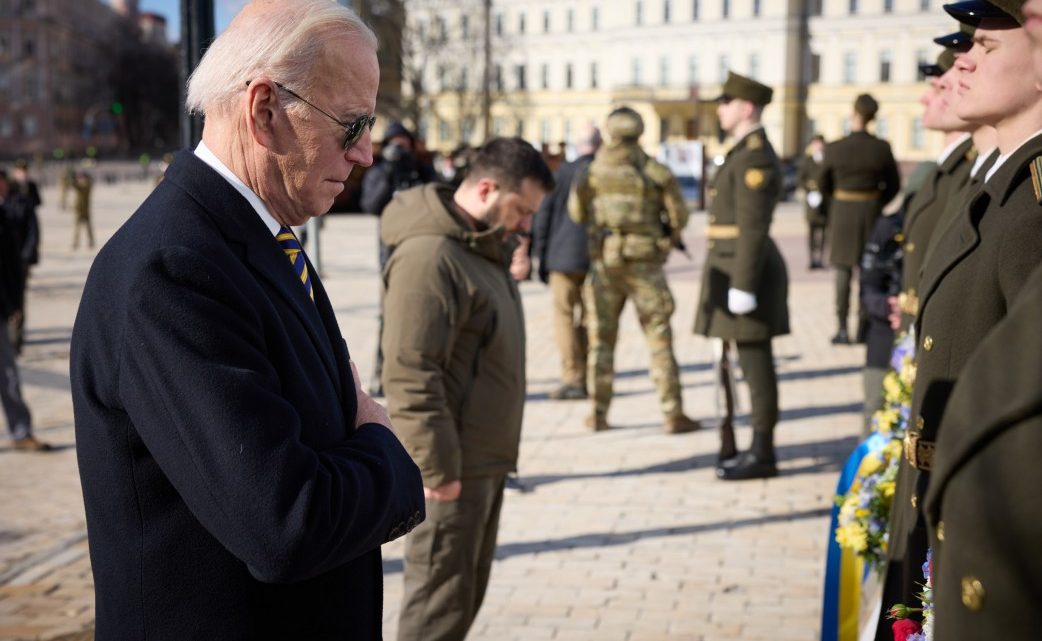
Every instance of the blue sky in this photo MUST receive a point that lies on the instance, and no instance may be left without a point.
(224, 10)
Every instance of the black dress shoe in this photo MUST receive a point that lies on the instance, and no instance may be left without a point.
(746, 466)
(841, 338)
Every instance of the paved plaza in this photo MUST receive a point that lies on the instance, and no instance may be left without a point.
(618, 535)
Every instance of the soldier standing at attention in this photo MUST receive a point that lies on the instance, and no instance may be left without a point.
(745, 282)
(634, 214)
(815, 207)
(859, 177)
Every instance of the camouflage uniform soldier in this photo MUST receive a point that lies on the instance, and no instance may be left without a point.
(622, 198)
(745, 282)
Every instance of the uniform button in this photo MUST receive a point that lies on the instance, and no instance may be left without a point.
(909, 247)
(920, 423)
(915, 501)
(710, 244)
(972, 593)
(928, 343)
(940, 531)
(712, 192)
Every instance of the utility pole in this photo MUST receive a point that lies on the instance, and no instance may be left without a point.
(486, 85)
(197, 32)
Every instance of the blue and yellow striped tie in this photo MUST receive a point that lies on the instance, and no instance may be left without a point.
(289, 243)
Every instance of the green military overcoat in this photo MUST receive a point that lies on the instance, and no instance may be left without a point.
(975, 271)
(857, 164)
(741, 254)
(807, 178)
(983, 502)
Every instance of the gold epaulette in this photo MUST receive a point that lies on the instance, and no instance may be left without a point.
(1036, 178)
(755, 140)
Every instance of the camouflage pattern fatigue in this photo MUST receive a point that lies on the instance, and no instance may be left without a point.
(606, 291)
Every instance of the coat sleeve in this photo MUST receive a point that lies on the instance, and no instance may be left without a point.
(891, 177)
(755, 197)
(421, 324)
(580, 200)
(199, 385)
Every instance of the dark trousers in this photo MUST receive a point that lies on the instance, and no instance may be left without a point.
(757, 361)
(843, 277)
(816, 243)
(448, 559)
(19, 422)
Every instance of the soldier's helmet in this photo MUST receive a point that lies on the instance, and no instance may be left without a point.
(625, 124)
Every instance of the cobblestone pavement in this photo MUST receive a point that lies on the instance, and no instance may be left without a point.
(621, 535)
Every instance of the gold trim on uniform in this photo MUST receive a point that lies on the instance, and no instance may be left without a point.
(722, 232)
(972, 593)
(754, 178)
(1036, 178)
(755, 141)
(908, 302)
(853, 196)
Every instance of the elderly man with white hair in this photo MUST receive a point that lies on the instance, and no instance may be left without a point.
(238, 482)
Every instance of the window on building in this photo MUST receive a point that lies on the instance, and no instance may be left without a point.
(521, 22)
(850, 67)
(29, 128)
(546, 22)
(464, 26)
(443, 30)
(421, 30)
(754, 66)
(692, 71)
(544, 131)
(497, 77)
(924, 5)
(441, 77)
(568, 76)
(918, 133)
(814, 8)
(886, 60)
(466, 129)
(635, 68)
(663, 71)
(722, 67)
(882, 128)
(464, 79)
(519, 73)
(888, 6)
(544, 76)
(757, 8)
(29, 87)
(497, 126)
(28, 47)
(852, 7)
(499, 24)
(6, 127)
(567, 130)
(844, 126)
(694, 9)
(725, 8)
(5, 46)
(639, 13)
(666, 7)
(519, 128)
(921, 59)
(663, 129)
(595, 18)
(570, 20)
(593, 75)
(814, 74)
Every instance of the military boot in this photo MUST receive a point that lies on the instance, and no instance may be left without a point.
(597, 422)
(841, 337)
(757, 463)
(681, 424)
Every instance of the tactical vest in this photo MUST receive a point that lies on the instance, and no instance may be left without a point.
(627, 210)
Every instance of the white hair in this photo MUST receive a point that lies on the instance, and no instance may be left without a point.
(283, 41)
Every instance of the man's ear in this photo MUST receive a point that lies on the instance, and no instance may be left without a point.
(262, 110)
(487, 189)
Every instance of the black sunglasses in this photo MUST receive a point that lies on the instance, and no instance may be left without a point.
(353, 130)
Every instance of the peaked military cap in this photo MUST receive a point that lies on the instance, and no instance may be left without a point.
(745, 89)
(866, 106)
(945, 61)
(972, 12)
(961, 41)
(625, 123)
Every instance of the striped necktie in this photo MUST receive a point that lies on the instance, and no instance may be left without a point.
(289, 243)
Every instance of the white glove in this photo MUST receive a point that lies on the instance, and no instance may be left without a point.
(740, 302)
(814, 199)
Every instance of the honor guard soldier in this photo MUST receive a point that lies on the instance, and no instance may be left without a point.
(634, 213)
(859, 177)
(815, 207)
(745, 282)
(972, 277)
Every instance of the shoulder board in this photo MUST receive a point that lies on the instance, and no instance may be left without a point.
(1036, 178)
(755, 140)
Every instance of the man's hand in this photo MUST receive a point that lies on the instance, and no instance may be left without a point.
(895, 312)
(521, 262)
(740, 302)
(448, 492)
(369, 411)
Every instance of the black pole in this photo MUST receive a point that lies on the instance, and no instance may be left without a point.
(197, 32)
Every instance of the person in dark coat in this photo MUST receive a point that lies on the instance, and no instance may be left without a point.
(561, 247)
(21, 203)
(816, 208)
(859, 177)
(979, 265)
(744, 296)
(238, 483)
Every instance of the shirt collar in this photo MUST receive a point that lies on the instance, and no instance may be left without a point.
(203, 153)
(951, 148)
(1004, 157)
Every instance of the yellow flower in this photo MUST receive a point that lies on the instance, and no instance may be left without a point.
(869, 465)
(852, 536)
(886, 489)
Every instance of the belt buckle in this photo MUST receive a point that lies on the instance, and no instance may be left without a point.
(918, 452)
(911, 443)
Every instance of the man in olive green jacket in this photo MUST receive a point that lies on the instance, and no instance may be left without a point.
(745, 283)
(859, 177)
(454, 371)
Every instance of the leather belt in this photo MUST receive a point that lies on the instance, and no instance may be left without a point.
(918, 452)
(722, 232)
(853, 196)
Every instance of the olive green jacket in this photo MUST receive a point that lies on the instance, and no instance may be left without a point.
(741, 253)
(808, 179)
(859, 162)
(453, 339)
(983, 504)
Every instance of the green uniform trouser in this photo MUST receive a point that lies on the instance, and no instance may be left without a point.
(448, 559)
(874, 400)
(757, 361)
(843, 277)
(569, 326)
(606, 291)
